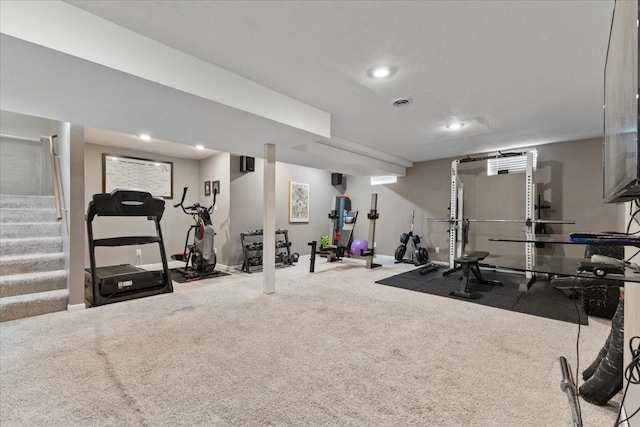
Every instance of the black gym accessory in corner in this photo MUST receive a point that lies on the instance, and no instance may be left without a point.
(104, 285)
(606, 380)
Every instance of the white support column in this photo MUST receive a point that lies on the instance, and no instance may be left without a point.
(269, 226)
(453, 214)
(529, 217)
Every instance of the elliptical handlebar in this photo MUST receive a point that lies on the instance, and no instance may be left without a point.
(184, 194)
(215, 194)
(193, 208)
(196, 206)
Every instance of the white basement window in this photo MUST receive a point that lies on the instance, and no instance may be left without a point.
(510, 164)
(379, 180)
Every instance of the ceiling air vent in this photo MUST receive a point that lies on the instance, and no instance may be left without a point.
(401, 102)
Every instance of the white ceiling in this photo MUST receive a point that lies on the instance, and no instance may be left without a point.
(517, 73)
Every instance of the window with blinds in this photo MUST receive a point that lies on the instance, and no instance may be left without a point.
(379, 180)
(510, 164)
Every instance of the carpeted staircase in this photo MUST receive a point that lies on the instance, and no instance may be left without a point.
(33, 280)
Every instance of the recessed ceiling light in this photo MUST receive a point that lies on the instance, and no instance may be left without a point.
(200, 147)
(145, 137)
(455, 126)
(381, 72)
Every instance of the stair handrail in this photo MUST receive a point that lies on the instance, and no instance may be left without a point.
(54, 172)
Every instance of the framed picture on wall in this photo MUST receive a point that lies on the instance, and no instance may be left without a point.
(215, 187)
(298, 202)
(207, 188)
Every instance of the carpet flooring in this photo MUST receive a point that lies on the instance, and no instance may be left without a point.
(541, 299)
(178, 277)
(329, 348)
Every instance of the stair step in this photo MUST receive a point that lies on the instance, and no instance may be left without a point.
(28, 215)
(15, 230)
(21, 264)
(29, 283)
(33, 245)
(11, 201)
(20, 306)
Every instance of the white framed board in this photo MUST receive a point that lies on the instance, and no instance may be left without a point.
(133, 173)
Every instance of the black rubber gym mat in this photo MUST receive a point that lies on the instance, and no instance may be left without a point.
(540, 300)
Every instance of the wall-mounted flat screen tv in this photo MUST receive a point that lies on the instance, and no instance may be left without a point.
(620, 151)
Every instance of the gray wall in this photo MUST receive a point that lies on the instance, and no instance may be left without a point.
(174, 223)
(247, 209)
(216, 168)
(25, 166)
(569, 178)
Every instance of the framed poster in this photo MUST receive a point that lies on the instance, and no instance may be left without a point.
(215, 187)
(133, 173)
(207, 188)
(298, 202)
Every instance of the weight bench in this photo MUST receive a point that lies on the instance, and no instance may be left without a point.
(469, 264)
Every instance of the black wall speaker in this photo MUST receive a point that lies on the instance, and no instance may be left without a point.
(247, 164)
(336, 179)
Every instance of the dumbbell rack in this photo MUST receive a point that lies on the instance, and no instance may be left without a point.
(252, 249)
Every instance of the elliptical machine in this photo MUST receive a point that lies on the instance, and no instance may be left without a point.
(201, 253)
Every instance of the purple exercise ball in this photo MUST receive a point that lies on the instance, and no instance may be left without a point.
(357, 245)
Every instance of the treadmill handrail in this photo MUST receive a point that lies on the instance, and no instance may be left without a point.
(126, 241)
(125, 203)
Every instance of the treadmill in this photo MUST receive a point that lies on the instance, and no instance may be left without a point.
(105, 285)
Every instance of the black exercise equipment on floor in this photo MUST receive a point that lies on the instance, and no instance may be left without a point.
(343, 247)
(599, 295)
(418, 255)
(104, 285)
(469, 264)
(337, 216)
(252, 249)
(200, 256)
(541, 300)
(603, 378)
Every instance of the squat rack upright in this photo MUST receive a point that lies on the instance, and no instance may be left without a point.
(458, 224)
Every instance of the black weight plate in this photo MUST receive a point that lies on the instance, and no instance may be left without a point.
(400, 251)
(422, 256)
(404, 238)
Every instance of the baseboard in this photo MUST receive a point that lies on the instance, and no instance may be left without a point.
(224, 267)
(76, 307)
